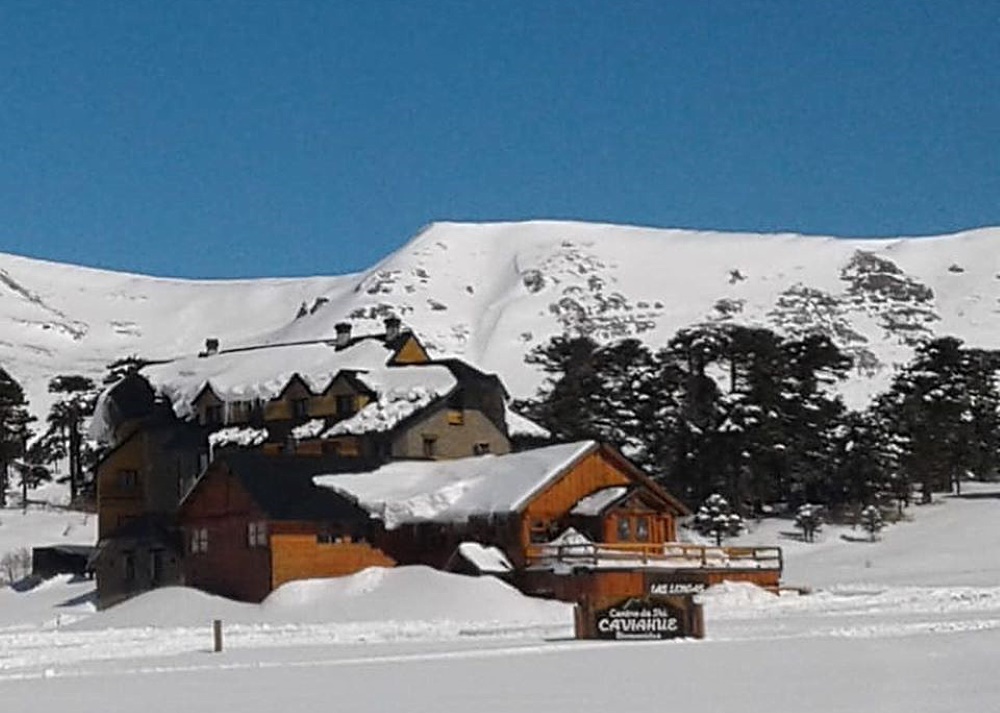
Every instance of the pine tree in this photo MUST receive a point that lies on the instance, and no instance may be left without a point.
(14, 431)
(871, 521)
(941, 412)
(32, 470)
(809, 519)
(716, 518)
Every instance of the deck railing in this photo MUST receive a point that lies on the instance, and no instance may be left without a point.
(671, 554)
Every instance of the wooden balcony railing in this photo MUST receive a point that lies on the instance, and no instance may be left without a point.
(670, 555)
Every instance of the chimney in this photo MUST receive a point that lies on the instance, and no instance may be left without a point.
(393, 327)
(211, 347)
(343, 334)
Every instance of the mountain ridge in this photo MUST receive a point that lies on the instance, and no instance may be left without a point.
(492, 291)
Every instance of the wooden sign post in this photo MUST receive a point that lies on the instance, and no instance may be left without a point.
(217, 635)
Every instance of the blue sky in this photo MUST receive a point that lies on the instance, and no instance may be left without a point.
(290, 138)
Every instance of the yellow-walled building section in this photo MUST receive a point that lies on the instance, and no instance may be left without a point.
(411, 353)
(302, 557)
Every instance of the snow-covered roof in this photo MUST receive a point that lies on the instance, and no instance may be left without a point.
(453, 491)
(261, 373)
(518, 425)
(237, 436)
(488, 560)
(595, 503)
(402, 391)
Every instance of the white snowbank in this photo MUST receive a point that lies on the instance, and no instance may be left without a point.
(401, 594)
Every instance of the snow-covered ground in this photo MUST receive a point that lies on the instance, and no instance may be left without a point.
(909, 623)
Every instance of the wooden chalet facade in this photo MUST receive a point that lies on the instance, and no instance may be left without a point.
(254, 522)
(575, 520)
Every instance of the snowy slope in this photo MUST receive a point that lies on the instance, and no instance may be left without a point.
(491, 292)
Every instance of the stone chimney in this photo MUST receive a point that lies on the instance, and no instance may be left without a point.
(393, 326)
(211, 347)
(343, 334)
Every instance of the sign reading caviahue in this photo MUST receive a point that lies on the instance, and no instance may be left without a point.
(636, 618)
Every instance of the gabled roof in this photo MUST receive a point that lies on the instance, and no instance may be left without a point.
(260, 373)
(407, 492)
(350, 376)
(282, 486)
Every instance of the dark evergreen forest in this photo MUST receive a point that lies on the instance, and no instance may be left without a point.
(755, 417)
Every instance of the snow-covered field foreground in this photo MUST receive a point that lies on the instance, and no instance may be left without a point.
(910, 623)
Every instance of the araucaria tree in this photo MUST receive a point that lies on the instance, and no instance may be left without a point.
(76, 398)
(756, 417)
(14, 431)
(942, 416)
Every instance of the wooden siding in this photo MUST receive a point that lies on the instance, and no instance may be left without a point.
(592, 473)
(230, 567)
(300, 556)
(116, 505)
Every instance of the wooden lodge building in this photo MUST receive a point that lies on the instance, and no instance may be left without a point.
(238, 470)
(352, 402)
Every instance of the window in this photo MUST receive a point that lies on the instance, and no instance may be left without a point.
(540, 533)
(300, 408)
(155, 566)
(345, 405)
(127, 479)
(329, 538)
(456, 409)
(430, 446)
(481, 448)
(642, 528)
(128, 558)
(256, 534)
(213, 414)
(624, 529)
(199, 540)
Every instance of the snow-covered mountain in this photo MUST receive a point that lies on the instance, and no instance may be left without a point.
(491, 292)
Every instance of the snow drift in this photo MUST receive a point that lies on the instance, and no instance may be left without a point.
(398, 594)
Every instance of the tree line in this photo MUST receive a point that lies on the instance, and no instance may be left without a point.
(756, 417)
